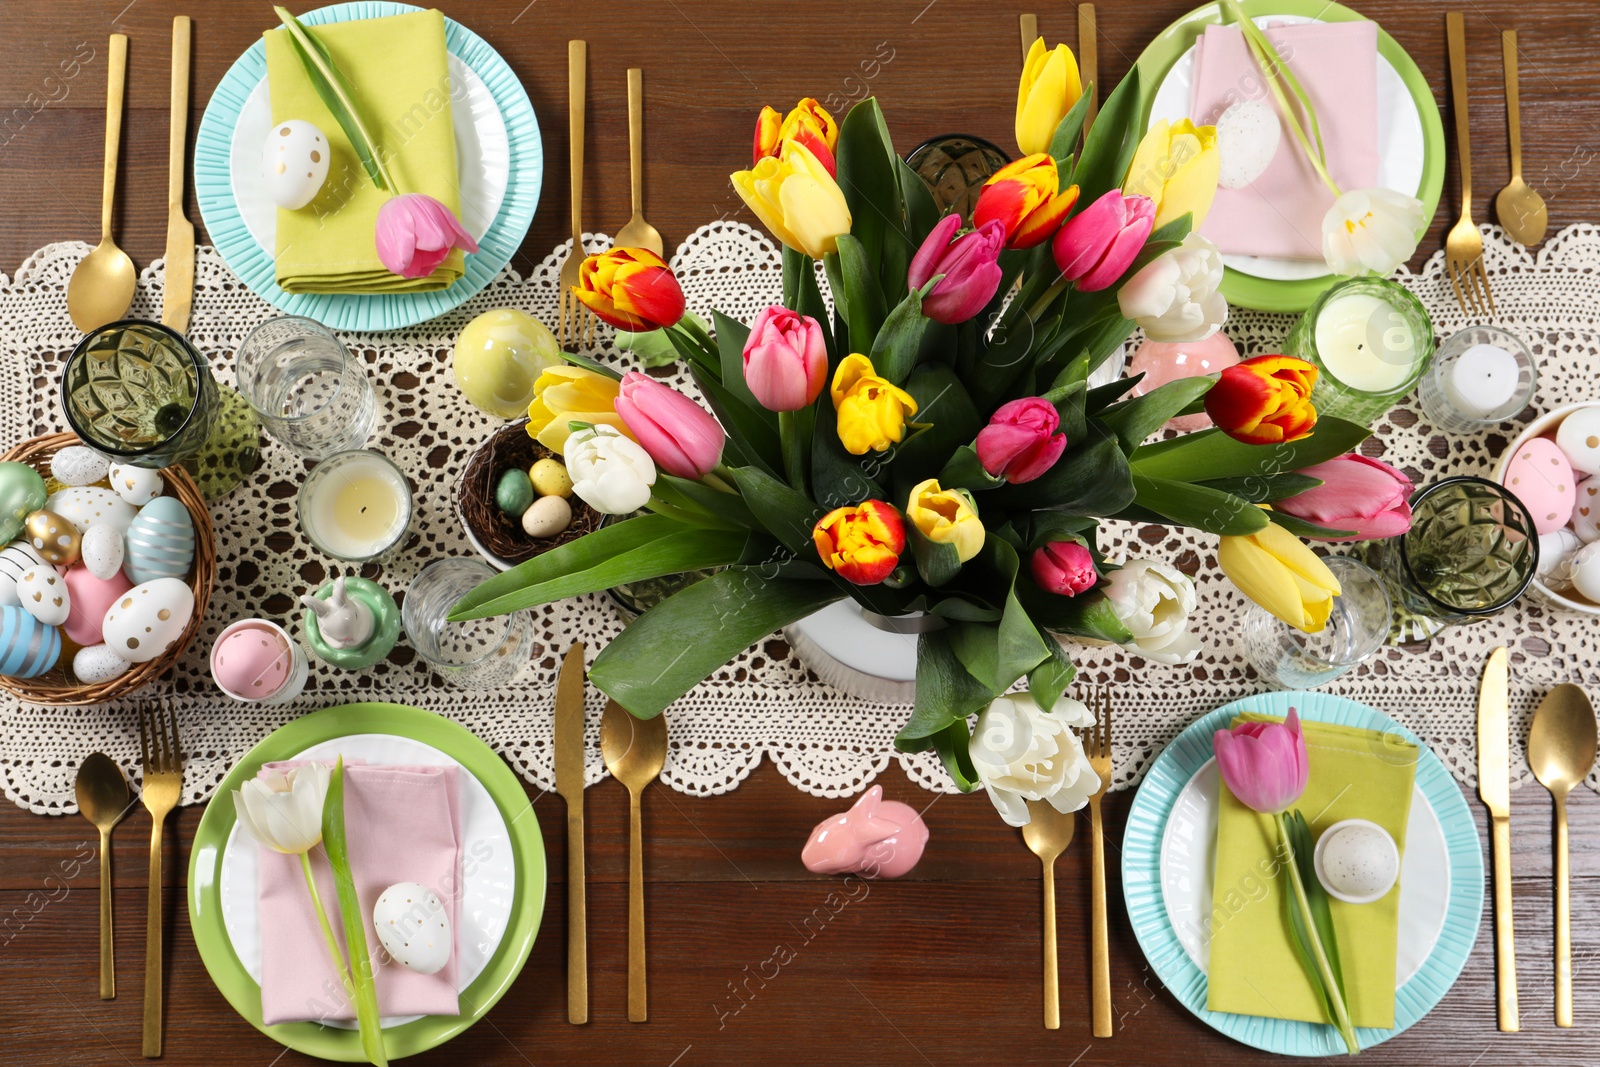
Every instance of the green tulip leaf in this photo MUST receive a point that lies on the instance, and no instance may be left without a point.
(1264, 488)
(937, 561)
(1108, 149)
(1302, 528)
(954, 746)
(943, 402)
(1103, 396)
(964, 471)
(1137, 418)
(802, 294)
(946, 693)
(1211, 510)
(1049, 680)
(922, 214)
(898, 342)
(337, 847)
(731, 338)
(864, 304)
(839, 479)
(578, 360)
(1088, 615)
(1064, 143)
(869, 177)
(964, 608)
(724, 505)
(1090, 478)
(1210, 454)
(752, 436)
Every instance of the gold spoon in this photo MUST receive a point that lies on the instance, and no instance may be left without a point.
(634, 751)
(101, 288)
(1048, 834)
(1561, 751)
(103, 799)
(1519, 209)
(637, 233)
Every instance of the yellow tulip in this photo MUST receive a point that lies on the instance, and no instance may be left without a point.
(1047, 91)
(1176, 165)
(796, 198)
(872, 412)
(565, 394)
(1276, 570)
(946, 516)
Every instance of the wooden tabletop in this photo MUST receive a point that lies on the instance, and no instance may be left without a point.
(753, 960)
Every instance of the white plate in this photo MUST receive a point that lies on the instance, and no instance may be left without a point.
(1400, 145)
(483, 157)
(1188, 854)
(488, 867)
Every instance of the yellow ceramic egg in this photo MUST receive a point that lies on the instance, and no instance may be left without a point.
(55, 539)
(550, 478)
(498, 357)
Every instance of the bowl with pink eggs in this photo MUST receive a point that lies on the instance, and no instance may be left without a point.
(1554, 468)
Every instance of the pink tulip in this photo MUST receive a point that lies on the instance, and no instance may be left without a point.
(785, 359)
(1365, 496)
(415, 233)
(1264, 764)
(1063, 567)
(1098, 244)
(969, 263)
(677, 432)
(1020, 443)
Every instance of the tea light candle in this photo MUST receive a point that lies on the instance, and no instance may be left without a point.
(355, 505)
(1366, 343)
(1482, 380)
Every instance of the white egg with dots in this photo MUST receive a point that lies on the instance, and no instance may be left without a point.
(294, 163)
(413, 927)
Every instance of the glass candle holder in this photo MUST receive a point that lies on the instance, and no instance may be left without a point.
(310, 394)
(139, 393)
(476, 654)
(355, 506)
(1357, 627)
(1480, 377)
(1370, 340)
(954, 168)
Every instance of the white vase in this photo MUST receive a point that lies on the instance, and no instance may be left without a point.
(874, 658)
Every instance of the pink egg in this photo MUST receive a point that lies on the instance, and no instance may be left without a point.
(1167, 361)
(254, 663)
(1540, 476)
(91, 598)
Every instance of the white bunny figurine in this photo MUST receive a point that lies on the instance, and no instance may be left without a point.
(344, 621)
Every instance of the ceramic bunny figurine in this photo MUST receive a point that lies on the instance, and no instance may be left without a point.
(878, 835)
(345, 622)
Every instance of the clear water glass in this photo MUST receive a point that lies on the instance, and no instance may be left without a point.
(139, 393)
(309, 392)
(1446, 410)
(476, 654)
(1357, 627)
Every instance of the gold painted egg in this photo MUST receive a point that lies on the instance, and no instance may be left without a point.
(55, 539)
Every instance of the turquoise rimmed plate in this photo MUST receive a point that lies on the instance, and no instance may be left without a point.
(1141, 878)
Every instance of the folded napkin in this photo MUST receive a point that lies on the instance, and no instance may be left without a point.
(1355, 774)
(403, 825)
(1280, 213)
(399, 72)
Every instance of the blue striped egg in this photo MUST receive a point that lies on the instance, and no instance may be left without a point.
(28, 647)
(160, 542)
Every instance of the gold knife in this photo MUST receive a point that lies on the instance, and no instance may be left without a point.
(1494, 786)
(179, 289)
(569, 722)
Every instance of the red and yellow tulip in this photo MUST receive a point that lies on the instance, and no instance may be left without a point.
(862, 544)
(809, 123)
(872, 411)
(1265, 400)
(631, 288)
(1025, 197)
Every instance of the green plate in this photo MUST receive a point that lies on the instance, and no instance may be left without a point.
(1266, 294)
(205, 866)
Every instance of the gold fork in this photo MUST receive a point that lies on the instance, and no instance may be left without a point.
(163, 781)
(1048, 834)
(1463, 245)
(1097, 747)
(577, 322)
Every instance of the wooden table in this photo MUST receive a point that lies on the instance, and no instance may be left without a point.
(753, 959)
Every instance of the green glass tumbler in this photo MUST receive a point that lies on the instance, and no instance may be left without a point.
(139, 393)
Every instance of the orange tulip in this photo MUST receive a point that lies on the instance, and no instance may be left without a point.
(809, 123)
(1265, 400)
(862, 544)
(631, 288)
(1023, 196)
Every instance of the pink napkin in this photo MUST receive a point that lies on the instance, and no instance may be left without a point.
(1280, 213)
(403, 825)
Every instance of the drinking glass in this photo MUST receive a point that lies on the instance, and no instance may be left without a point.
(1357, 626)
(139, 393)
(476, 654)
(308, 391)
(1453, 412)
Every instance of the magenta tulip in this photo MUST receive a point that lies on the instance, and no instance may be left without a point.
(1063, 567)
(785, 359)
(1264, 764)
(677, 432)
(415, 233)
(969, 263)
(1365, 496)
(1097, 245)
(1021, 443)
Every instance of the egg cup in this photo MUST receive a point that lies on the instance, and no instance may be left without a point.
(294, 682)
(1381, 870)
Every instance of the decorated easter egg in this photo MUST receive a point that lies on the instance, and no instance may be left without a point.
(513, 493)
(53, 537)
(413, 927)
(160, 541)
(1585, 566)
(16, 559)
(294, 163)
(42, 591)
(21, 493)
(78, 465)
(148, 619)
(251, 662)
(1247, 138)
(1555, 552)
(1586, 510)
(101, 550)
(91, 598)
(137, 485)
(28, 647)
(1540, 476)
(547, 516)
(85, 505)
(97, 664)
(1578, 437)
(550, 478)
(1167, 361)
(497, 358)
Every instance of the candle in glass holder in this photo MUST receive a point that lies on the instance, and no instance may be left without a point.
(1370, 340)
(355, 505)
(1479, 378)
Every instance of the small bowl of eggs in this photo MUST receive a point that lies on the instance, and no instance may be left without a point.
(1554, 468)
(515, 499)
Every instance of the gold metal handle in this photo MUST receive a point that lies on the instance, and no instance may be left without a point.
(152, 949)
(116, 76)
(1029, 25)
(1563, 919)
(1100, 950)
(1088, 60)
(179, 127)
(1505, 942)
(1508, 53)
(636, 137)
(1052, 990)
(1456, 34)
(637, 999)
(108, 968)
(577, 78)
(577, 919)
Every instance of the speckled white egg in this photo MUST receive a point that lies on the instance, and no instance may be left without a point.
(16, 559)
(1555, 553)
(160, 541)
(149, 619)
(294, 163)
(547, 516)
(101, 550)
(83, 506)
(1357, 861)
(137, 485)
(413, 927)
(97, 664)
(78, 465)
(1248, 134)
(43, 594)
(1578, 437)
(1585, 571)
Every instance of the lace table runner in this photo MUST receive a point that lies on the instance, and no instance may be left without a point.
(764, 704)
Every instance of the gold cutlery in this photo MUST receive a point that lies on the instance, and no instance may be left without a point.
(1029, 25)
(1520, 210)
(103, 799)
(1561, 751)
(1494, 786)
(101, 288)
(178, 290)
(576, 319)
(1463, 245)
(163, 781)
(1097, 747)
(1088, 59)
(637, 233)
(568, 740)
(634, 751)
(1048, 834)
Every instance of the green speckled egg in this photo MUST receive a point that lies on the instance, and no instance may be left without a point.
(514, 493)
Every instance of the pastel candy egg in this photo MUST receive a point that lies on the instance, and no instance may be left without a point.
(78, 465)
(16, 559)
(251, 662)
(28, 647)
(1540, 476)
(1247, 137)
(548, 516)
(97, 664)
(1586, 571)
(148, 619)
(43, 593)
(137, 485)
(550, 478)
(102, 550)
(1555, 549)
(514, 493)
(22, 492)
(1586, 510)
(294, 163)
(413, 927)
(85, 505)
(91, 598)
(1578, 437)
(160, 541)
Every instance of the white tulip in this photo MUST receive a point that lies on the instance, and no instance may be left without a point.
(1371, 231)
(610, 472)
(1175, 296)
(1154, 601)
(1024, 753)
(283, 811)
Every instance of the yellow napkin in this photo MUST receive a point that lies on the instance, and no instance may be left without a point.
(1355, 774)
(399, 72)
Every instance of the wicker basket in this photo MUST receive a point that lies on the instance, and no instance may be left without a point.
(57, 686)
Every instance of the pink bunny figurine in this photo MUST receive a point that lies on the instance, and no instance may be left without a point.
(877, 837)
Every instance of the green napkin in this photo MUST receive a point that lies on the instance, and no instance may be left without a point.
(399, 74)
(1355, 774)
